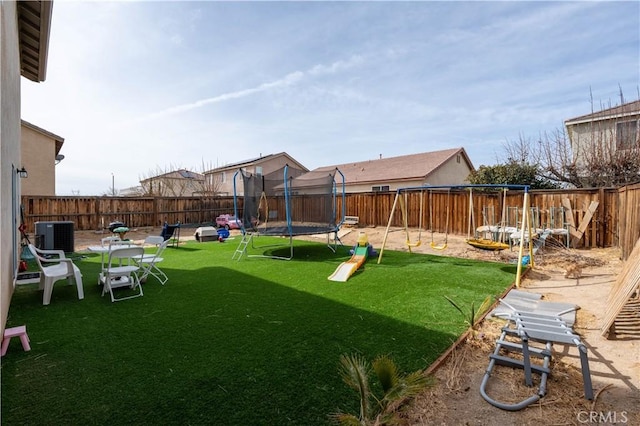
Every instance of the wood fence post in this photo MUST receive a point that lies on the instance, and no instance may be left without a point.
(154, 213)
(601, 222)
(98, 222)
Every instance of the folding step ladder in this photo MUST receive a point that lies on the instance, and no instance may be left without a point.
(546, 329)
(247, 237)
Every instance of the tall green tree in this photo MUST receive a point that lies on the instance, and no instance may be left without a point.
(512, 173)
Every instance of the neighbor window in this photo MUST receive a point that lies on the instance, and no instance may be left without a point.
(381, 188)
(627, 134)
(223, 177)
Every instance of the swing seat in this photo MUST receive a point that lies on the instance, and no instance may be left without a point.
(417, 244)
(437, 247)
(485, 244)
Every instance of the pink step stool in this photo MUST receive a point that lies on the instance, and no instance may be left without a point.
(20, 331)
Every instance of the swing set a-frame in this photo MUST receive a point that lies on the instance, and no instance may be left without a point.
(401, 200)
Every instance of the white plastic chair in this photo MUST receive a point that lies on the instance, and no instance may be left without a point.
(60, 268)
(149, 262)
(122, 271)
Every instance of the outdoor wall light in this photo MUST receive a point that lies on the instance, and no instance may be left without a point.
(22, 173)
(59, 158)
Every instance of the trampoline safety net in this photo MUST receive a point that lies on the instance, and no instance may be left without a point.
(288, 202)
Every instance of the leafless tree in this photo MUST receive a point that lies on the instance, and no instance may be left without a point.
(175, 181)
(604, 158)
(212, 181)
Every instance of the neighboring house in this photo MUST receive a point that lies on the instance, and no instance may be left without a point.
(178, 183)
(23, 52)
(40, 154)
(132, 191)
(220, 180)
(446, 167)
(604, 132)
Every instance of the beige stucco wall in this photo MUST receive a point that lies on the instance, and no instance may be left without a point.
(393, 186)
(453, 172)
(9, 150)
(584, 135)
(38, 157)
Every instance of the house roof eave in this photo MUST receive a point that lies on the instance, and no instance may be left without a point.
(34, 25)
(254, 162)
(628, 109)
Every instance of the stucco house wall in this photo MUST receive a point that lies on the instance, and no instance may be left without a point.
(24, 41)
(9, 151)
(39, 150)
(453, 172)
(601, 128)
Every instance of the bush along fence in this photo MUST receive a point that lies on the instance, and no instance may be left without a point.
(596, 217)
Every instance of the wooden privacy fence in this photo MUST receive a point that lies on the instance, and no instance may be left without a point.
(95, 213)
(614, 222)
(449, 211)
(629, 213)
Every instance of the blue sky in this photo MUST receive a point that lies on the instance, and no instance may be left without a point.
(136, 88)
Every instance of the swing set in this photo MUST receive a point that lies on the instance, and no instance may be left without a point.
(401, 201)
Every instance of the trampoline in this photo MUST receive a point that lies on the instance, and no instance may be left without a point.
(288, 203)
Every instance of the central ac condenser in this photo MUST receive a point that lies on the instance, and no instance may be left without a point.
(55, 236)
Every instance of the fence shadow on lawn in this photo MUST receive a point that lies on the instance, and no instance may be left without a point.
(217, 345)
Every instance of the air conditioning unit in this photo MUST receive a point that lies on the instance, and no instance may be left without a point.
(55, 236)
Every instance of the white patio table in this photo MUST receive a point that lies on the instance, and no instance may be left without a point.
(105, 249)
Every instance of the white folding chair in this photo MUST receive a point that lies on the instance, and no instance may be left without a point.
(153, 240)
(122, 271)
(149, 262)
(60, 268)
(115, 241)
(106, 241)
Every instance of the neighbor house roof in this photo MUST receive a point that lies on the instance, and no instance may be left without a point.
(405, 167)
(254, 161)
(34, 23)
(620, 111)
(177, 174)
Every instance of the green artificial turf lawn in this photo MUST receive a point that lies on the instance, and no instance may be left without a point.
(250, 342)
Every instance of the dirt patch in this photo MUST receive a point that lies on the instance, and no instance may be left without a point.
(455, 399)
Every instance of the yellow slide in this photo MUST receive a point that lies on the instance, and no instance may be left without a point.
(346, 269)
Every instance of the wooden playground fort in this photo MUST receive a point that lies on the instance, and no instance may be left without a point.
(496, 232)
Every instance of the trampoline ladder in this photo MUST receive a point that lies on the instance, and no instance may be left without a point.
(242, 247)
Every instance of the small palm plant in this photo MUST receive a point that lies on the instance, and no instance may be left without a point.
(397, 389)
(473, 316)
